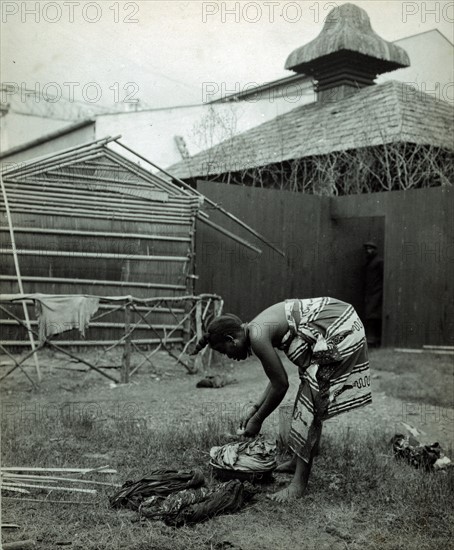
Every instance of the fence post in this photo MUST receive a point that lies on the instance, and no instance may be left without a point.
(126, 360)
(199, 332)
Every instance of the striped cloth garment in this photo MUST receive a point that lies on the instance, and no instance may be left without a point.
(326, 341)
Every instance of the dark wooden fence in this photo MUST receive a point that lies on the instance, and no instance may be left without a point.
(322, 238)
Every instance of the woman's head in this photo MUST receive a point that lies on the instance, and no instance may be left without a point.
(226, 335)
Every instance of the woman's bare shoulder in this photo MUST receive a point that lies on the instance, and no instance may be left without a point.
(268, 324)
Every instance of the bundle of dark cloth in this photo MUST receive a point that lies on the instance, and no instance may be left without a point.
(428, 457)
(216, 381)
(179, 498)
(197, 505)
(158, 483)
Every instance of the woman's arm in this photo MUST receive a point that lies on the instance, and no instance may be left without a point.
(261, 400)
(276, 389)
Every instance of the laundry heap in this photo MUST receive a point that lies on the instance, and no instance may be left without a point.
(181, 498)
(429, 457)
(159, 483)
(257, 455)
(197, 505)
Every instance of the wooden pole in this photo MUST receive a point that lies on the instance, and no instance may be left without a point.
(53, 231)
(64, 153)
(19, 278)
(209, 201)
(199, 332)
(126, 361)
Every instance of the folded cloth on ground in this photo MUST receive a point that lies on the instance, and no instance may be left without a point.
(429, 457)
(257, 455)
(59, 313)
(197, 505)
(216, 381)
(159, 483)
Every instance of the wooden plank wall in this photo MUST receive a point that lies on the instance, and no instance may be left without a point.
(247, 281)
(322, 238)
(419, 262)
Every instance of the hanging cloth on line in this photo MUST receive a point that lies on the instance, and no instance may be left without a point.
(59, 313)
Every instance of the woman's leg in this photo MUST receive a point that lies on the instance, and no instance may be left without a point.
(299, 482)
(317, 443)
(289, 466)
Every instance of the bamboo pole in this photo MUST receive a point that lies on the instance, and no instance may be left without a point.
(29, 197)
(163, 342)
(50, 343)
(183, 298)
(30, 477)
(49, 501)
(95, 324)
(97, 255)
(114, 215)
(93, 282)
(209, 201)
(19, 279)
(34, 170)
(13, 489)
(88, 343)
(140, 172)
(76, 150)
(84, 471)
(51, 488)
(52, 231)
(20, 545)
(146, 357)
(126, 361)
(230, 235)
(19, 365)
(93, 196)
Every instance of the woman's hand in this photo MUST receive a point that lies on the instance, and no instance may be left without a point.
(253, 427)
(247, 416)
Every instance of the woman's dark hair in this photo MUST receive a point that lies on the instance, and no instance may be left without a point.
(219, 330)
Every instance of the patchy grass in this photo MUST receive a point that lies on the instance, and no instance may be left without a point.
(423, 377)
(359, 496)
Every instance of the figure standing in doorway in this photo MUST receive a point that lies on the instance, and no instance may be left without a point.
(373, 294)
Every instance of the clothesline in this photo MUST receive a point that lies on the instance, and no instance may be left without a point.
(60, 313)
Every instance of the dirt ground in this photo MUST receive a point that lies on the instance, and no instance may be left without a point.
(165, 395)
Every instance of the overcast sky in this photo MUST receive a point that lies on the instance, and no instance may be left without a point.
(167, 50)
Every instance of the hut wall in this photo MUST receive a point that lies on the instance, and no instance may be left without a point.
(97, 224)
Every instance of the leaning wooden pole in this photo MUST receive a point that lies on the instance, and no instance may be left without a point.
(209, 201)
(126, 360)
(19, 278)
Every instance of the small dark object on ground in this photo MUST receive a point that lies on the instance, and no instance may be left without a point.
(419, 456)
(216, 381)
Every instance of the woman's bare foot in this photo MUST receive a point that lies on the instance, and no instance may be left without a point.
(287, 467)
(289, 493)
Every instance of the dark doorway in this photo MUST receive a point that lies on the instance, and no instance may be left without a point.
(344, 259)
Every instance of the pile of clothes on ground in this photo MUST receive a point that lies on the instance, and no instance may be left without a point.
(428, 457)
(179, 498)
(257, 455)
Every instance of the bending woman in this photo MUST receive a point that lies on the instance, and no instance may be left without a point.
(325, 339)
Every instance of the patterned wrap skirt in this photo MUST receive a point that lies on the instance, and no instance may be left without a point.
(326, 341)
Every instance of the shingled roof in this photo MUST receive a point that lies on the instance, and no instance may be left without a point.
(379, 114)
